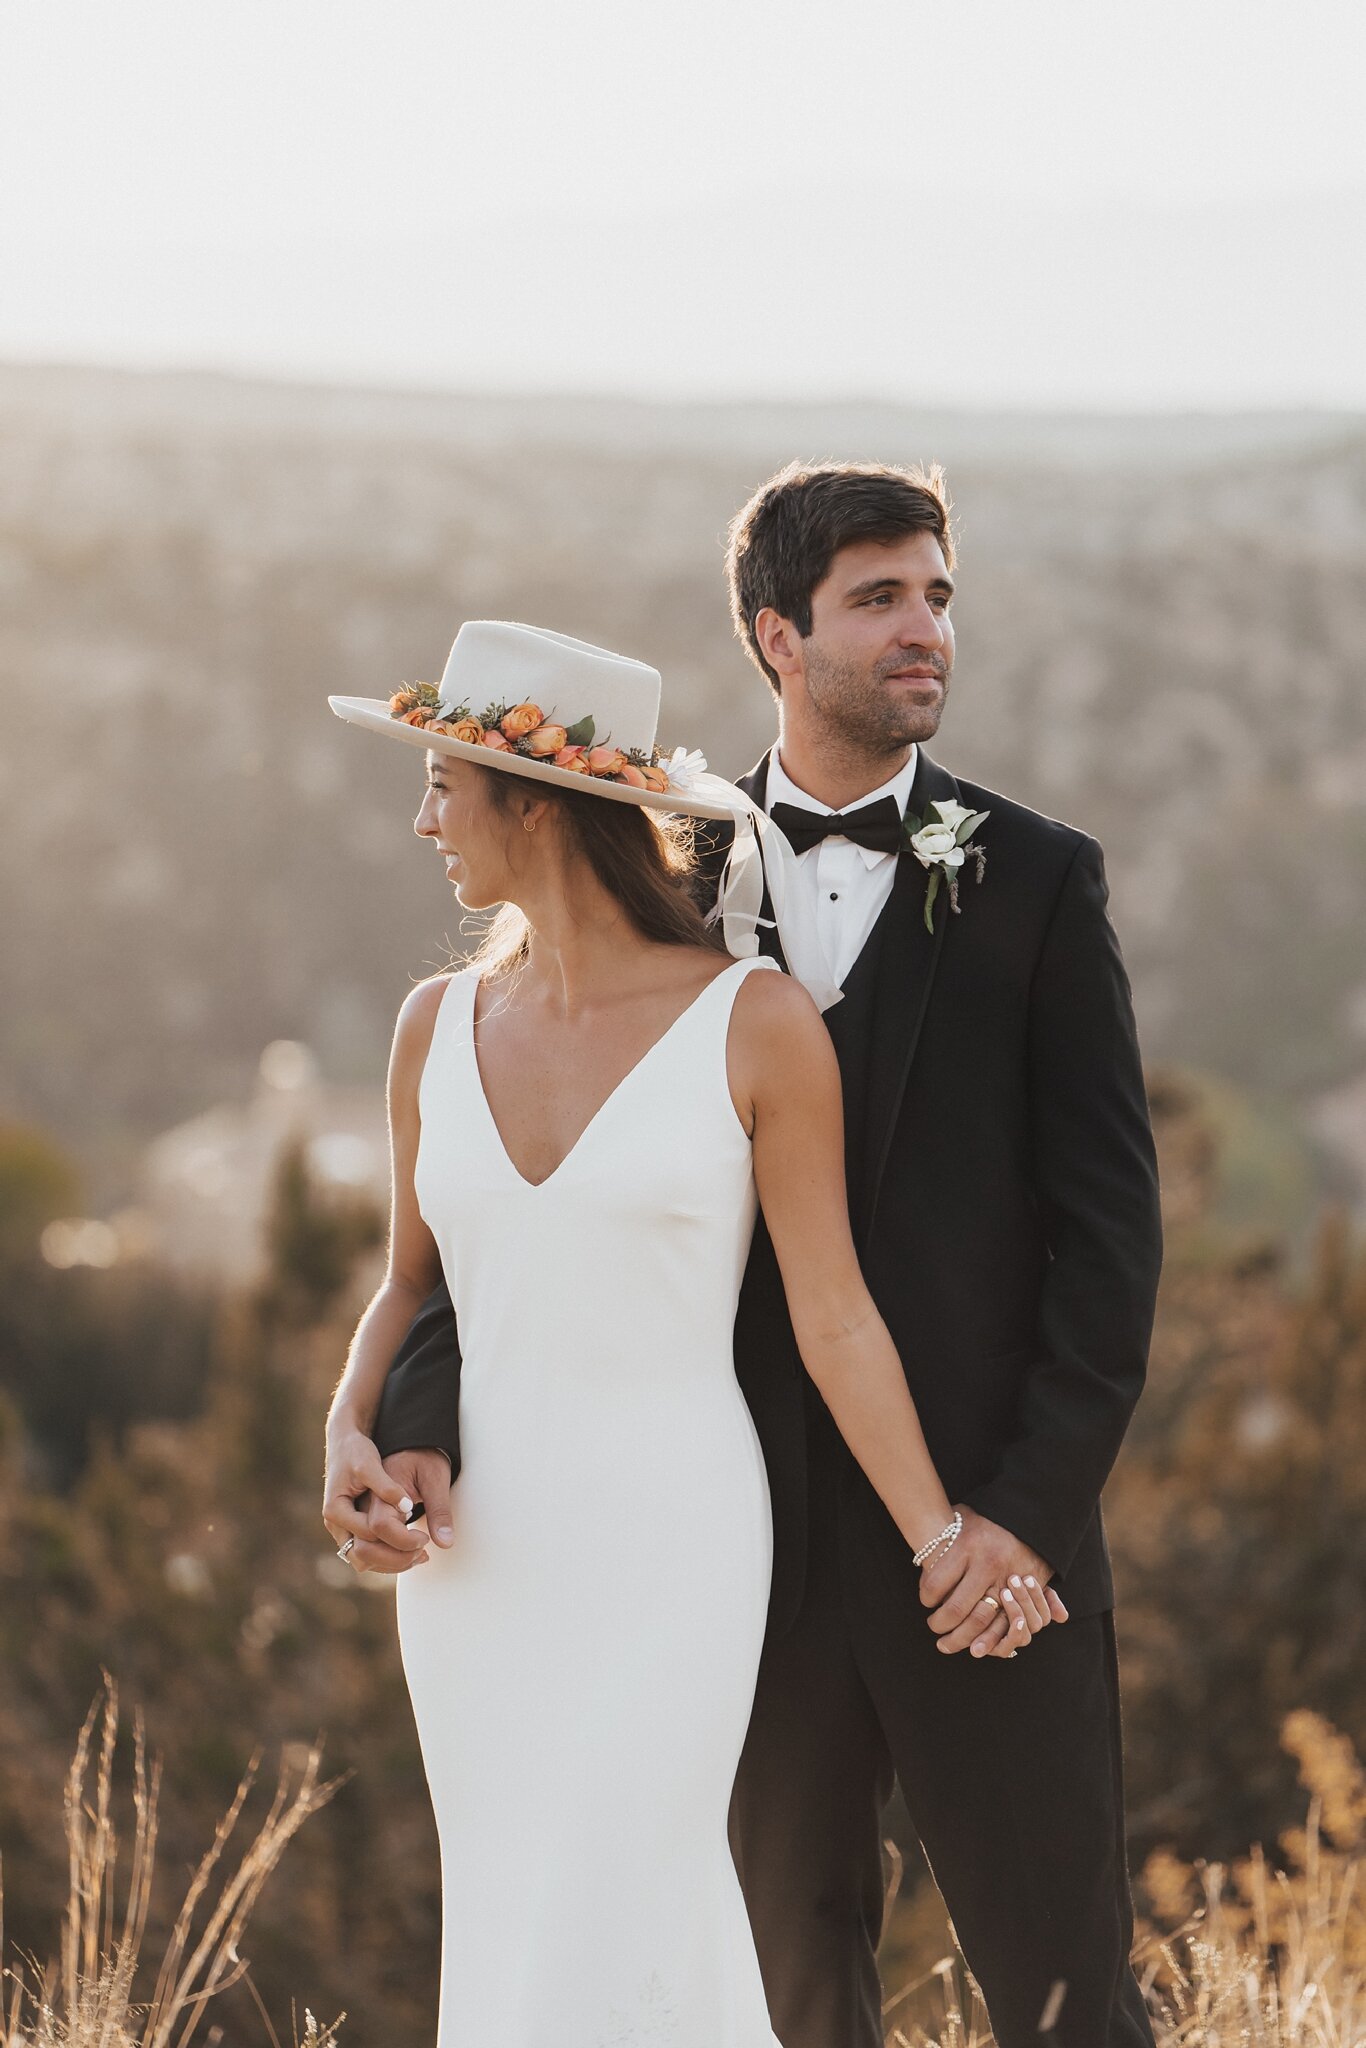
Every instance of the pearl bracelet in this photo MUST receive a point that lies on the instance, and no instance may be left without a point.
(944, 1540)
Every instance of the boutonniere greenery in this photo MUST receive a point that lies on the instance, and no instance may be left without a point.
(942, 843)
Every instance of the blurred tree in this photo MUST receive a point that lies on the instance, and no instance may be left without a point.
(85, 1350)
(1238, 1513)
(38, 1183)
(313, 1240)
(189, 1559)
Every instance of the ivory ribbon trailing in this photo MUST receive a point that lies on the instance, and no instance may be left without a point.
(761, 850)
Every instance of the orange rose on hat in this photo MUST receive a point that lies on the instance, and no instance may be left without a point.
(522, 719)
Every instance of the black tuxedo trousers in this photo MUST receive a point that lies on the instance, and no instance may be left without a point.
(1003, 1195)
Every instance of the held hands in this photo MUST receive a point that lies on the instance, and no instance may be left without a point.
(367, 1503)
(988, 1591)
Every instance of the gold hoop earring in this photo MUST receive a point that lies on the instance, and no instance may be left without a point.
(528, 824)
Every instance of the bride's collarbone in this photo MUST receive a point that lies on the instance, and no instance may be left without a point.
(546, 1079)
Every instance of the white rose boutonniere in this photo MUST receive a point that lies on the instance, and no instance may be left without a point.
(942, 841)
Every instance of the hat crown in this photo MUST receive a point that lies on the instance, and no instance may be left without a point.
(499, 661)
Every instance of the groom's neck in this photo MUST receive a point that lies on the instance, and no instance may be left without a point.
(833, 775)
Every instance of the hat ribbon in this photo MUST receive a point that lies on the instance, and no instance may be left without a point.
(759, 851)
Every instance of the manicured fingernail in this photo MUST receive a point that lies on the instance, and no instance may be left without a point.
(444, 1537)
(1015, 1580)
(1006, 1594)
(1030, 1584)
(405, 1506)
(1020, 1622)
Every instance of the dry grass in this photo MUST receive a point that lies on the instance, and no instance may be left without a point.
(1253, 1956)
(1268, 1958)
(84, 1998)
(1284, 1981)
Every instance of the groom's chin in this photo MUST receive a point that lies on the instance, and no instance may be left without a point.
(922, 726)
(917, 714)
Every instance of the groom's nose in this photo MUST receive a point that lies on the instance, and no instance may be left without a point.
(922, 627)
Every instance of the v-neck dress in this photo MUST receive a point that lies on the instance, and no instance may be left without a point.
(582, 1660)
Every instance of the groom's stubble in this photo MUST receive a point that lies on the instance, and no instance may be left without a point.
(858, 717)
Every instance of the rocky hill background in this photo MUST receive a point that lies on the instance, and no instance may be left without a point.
(1162, 637)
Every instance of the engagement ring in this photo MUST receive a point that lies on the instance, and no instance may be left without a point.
(347, 1548)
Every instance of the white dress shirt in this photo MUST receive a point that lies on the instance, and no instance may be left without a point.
(850, 883)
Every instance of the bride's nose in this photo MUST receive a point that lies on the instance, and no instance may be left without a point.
(424, 824)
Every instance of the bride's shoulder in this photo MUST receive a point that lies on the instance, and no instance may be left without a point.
(780, 1050)
(773, 1008)
(422, 1001)
(417, 1015)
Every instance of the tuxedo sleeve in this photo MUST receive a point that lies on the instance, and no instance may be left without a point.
(419, 1407)
(1096, 1184)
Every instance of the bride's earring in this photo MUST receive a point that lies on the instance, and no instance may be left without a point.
(528, 824)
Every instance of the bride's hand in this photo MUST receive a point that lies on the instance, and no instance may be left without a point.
(362, 1505)
(1016, 1618)
(988, 1591)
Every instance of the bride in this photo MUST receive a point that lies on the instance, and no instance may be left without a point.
(581, 1122)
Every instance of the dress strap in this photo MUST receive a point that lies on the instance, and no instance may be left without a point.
(452, 1027)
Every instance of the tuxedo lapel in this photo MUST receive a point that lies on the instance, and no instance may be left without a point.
(910, 956)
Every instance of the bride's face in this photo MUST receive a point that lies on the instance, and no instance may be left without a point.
(471, 832)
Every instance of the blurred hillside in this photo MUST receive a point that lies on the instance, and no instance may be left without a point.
(1162, 635)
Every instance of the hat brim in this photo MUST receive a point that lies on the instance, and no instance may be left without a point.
(374, 714)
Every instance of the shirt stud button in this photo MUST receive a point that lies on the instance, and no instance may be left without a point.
(834, 895)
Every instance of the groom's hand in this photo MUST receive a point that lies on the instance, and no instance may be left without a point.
(391, 1543)
(369, 1501)
(425, 1475)
(987, 1561)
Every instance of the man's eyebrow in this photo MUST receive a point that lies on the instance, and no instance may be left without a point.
(874, 584)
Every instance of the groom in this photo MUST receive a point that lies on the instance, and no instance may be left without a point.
(1004, 1199)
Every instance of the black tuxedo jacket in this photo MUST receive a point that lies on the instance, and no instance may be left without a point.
(1003, 1190)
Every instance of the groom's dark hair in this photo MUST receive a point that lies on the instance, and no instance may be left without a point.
(783, 541)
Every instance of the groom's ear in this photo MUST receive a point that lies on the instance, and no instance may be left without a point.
(779, 642)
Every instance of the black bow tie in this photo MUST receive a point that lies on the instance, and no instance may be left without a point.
(876, 825)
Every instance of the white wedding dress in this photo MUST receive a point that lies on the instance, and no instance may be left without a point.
(582, 1661)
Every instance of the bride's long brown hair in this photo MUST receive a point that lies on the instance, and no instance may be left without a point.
(646, 860)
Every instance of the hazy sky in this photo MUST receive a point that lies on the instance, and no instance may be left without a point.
(980, 201)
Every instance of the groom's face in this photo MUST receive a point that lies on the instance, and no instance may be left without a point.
(877, 661)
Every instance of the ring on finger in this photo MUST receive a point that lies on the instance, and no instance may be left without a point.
(346, 1549)
(990, 1600)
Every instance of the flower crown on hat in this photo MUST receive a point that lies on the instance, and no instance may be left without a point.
(525, 730)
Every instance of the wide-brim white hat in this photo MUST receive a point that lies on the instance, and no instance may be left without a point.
(497, 665)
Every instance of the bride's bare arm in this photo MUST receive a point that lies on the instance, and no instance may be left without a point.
(784, 1073)
(414, 1266)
